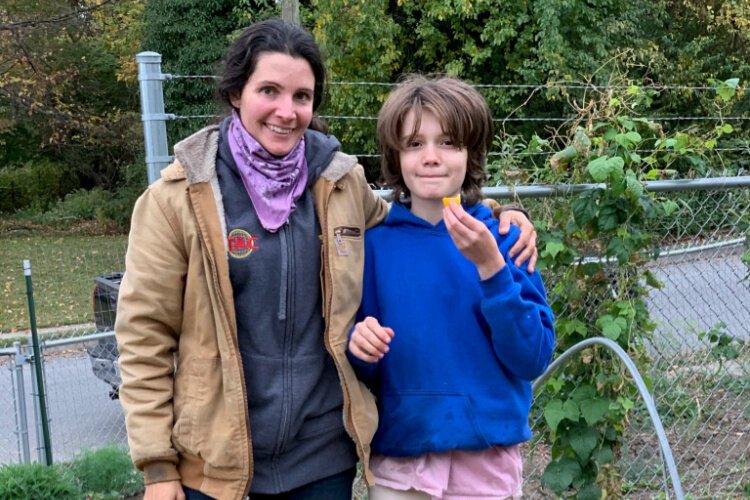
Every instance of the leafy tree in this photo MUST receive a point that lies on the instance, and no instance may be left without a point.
(62, 96)
(361, 43)
(482, 41)
(192, 37)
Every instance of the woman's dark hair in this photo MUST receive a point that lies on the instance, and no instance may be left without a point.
(271, 35)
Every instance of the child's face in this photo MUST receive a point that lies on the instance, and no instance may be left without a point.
(431, 165)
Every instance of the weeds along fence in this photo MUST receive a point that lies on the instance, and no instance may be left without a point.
(699, 369)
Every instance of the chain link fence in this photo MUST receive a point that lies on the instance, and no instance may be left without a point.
(699, 354)
(699, 369)
(81, 414)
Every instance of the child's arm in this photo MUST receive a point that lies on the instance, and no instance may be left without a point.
(514, 303)
(521, 321)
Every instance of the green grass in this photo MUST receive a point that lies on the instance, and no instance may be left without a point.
(63, 269)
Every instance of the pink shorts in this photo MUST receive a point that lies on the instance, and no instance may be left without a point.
(493, 473)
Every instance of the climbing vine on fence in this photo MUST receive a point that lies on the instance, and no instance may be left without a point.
(594, 246)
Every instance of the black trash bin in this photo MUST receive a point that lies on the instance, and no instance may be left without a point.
(104, 354)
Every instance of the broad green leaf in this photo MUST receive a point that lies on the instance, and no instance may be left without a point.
(558, 476)
(583, 392)
(668, 143)
(621, 248)
(593, 410)
(603, 455)
(669, 207)
(625, 403)
(727, 89)
(554, 384)
(611, 327)
(633, 184)
(653, 174)
(610, 134)
(682, 141)
(633, 136)
(572, 326)
(616, 169)
(584, 209)
(583, 442)
(599, 168)
(626, 122)
(732, 82)
(557, 410)
(552, 248)
(608, 218)
(589, 492)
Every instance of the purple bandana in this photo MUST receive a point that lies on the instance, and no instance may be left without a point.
(272, 183)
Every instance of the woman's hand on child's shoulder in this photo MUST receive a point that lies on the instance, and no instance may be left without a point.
(474, 240)
(525, 248)
(369, 341)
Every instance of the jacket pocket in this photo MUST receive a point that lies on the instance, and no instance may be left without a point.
(419, 422)
(347, 239)
(196, 381)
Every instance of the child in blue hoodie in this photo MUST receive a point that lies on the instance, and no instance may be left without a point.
(451, 331)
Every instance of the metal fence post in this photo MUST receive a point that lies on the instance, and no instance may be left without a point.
(38, 371)
(152, 113)
(37, 418)
(22, 424)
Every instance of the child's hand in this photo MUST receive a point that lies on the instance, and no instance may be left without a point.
(474, 240)
(369, 341)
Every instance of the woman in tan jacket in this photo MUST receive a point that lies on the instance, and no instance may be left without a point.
(243, 278)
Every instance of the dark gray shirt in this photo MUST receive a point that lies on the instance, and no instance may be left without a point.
(294, 395)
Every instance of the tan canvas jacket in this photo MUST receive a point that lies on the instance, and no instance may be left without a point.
(182, 382)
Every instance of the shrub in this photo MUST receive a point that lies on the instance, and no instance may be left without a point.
(38, 482)
(38, 183)
(106, 473)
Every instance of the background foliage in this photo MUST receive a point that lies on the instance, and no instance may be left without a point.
(68, 90)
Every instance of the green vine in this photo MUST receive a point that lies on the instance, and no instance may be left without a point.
(593, 247)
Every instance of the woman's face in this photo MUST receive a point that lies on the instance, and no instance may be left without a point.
(276, 103)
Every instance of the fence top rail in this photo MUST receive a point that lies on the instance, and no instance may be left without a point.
(558, 190)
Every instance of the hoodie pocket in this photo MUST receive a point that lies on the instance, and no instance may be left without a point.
(419, 422)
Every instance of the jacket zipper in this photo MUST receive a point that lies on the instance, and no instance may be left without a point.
(288, 283)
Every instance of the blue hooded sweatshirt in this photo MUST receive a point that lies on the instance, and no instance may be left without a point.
(458, 372)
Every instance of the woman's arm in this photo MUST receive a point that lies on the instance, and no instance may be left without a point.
(149, 317)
